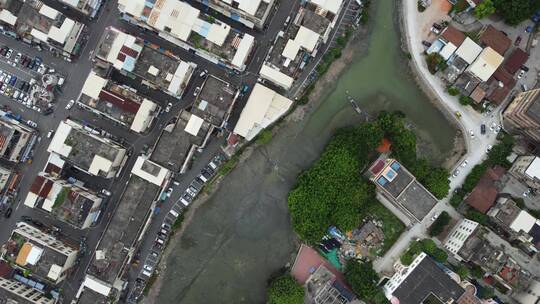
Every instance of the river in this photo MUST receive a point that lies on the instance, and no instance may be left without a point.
(242, 234)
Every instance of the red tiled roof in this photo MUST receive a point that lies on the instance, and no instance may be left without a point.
(384, 146)
(36, 185)
(52, 168)
(5, 270)
(128, 51)
(377, 167)
(125, 104)
(516, 60)
(451, 34)
(121, 57)
(506, 78)
(499, 94)
(46, 189)
(307, 261)
(495, 39)
(484, 194)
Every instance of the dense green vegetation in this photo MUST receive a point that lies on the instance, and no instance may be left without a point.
(363, 281)
(333, 191)
(496, 157)
(264, 137)
(285, 290)
(516, 11)
(484, 9)
(440, 223)
(476, 216)
(426, 245)
(435, 62)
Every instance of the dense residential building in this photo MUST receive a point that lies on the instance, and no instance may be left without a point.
(293, 48)
(14, 289)
(424, 281)
(118, 102)
(192, 30)
(522, 116)
(68, 201)
(459, 235)
(485, 64)
(42, 256)
(130, 55)
(495, 39)
(87, 7)
(397, 184)
(129, 223)
(251, 13)
(85, 149)
(263, 107)
(16, 139)
(526, 168)
(215, 101)
(323, 287)
(39, 24)
(7, 178)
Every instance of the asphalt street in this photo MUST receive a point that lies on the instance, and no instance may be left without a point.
(76, 73)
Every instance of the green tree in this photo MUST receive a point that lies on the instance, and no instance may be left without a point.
(515, 11)
(478, 217)
(285, 290)
(484, 9)
(465, 100)
(477, 272)
(434, 61)
(462, 271)
(440, 223)
(453, 91)
(363, 280)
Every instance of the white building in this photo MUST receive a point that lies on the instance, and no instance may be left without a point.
(23, 293)
(485, 64)
(150, 171)
(263, 107)
(251, 13)
(188, 28)
(468, 50)
(84, 148)
(459, 235)
(527, 169)
(41, 254)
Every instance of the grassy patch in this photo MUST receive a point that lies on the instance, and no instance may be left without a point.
(151, 281)
(264, 137)
(392, 227)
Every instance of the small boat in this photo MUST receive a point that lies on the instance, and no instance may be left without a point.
(353, 103)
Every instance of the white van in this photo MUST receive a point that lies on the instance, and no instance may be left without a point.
(174, 213)
(146, 273)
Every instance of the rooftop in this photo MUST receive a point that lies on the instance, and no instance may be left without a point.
(533, 110)
(505, 212)
(486, 63)
(533, 170)
(308, 259)
(495, 39)
(174, 143)
(215, 101)
(133, 208)
(394, 179)
(427, 279)
(80, 146)
(453, 35)
(484, 194)
(417, 200)
(516, 60)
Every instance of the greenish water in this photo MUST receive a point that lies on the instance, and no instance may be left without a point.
(243, 233)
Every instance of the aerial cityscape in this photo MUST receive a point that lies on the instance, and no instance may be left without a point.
(270, 151)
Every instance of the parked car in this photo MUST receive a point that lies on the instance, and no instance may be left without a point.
(174, 213)
(464, 163)
(7, 214)
(483, 129)
(105, 192)
(154, 254)
(166, 227)
(168, 107)
(9, 53)
(48, 111)
(426, 43)
(203, 73)
(32, 124)
(148, 267)
(456, 173)
(192, 191)
(50, 133)
(520, 74)
(197, 90)
(169, 192)
(471, 133)
(70, 104)
(18, 58)
(13, 80)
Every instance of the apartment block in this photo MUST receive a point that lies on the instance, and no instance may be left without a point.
(522, 116)
(251, 13)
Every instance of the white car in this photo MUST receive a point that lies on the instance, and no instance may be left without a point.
(147, 267)
(471, 133)
(456, 173)
(168, 108)
(106, 192)
(50, 133)
(489, 148)
(521, 73)
(197, 90)
(434, 217)
(464, 163)
(70, 104)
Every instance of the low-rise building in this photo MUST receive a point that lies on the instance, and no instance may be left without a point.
(36, 23)
(479, 251)
(16, 139)
(397, 184)
(215, 101)
(263, 107)
(39, 255)
(68, 201)
(522, 116)
(251, 13)
(459, 235)
(118, 102)
(293, 48)
(94, 291)
(485, 64)
(423, 281)
(7, 178)
(323, 287)
(130, 55)
(484, 194)
(526, 169)
(179, 140)
(88, 7)
(127, 226)
(192, 30)
(495, 39)
(14, 288)
(84, 148)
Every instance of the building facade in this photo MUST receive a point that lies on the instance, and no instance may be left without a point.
(522, 116)
(527, 169)
(459, 234)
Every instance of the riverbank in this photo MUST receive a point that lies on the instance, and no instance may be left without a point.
(460, 144)
(358, 44)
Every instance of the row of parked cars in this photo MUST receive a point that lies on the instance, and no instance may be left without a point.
(34, 64)
(17, 89)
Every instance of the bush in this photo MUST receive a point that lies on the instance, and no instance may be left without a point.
(465, 100)
(484, 9)
(516, 11)
(440, 223)
(453, 91)
(264, 137)
(433, 62)
(426, 245)
(477, 272)
(285, 290)
(478, 217)
(462, 271)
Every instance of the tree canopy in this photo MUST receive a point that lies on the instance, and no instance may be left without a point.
(516, 11)
(363, 281)
(285, 290)
(484, 9)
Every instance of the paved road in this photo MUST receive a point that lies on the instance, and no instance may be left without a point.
(470, 120)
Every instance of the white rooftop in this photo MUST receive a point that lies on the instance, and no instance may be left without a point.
(157, 179)
(486, 64)
(263, 107)
(144, 116)
(305, 38)
(194, 125)
(533, 171)
(448, 50)
(329, 5)
(93, 85)
(523, 222)
(97, 285)
(468, 50)
(8, 17)
(242, 53)
(276, 76)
